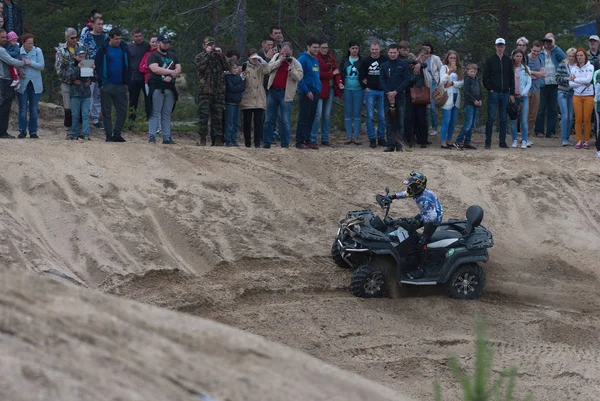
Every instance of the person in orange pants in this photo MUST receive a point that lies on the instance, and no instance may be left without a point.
(583, 97)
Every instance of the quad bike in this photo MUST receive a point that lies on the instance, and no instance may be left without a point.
(385, 251)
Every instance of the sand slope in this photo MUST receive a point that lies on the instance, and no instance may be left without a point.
(242, 236)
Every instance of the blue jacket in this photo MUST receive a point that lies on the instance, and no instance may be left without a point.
(311, 82)
(234, 88)
(394, 76)
(33, 73)
(102, 69)
(556, 54)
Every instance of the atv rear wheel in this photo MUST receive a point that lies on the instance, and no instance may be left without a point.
(369, 281)
(337, 256)
(467, 282)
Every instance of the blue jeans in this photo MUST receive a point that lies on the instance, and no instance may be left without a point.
(80, 106)
(547, 111)
(324, 110)
(28, 100)
(232, 123)
(432, 115)
(523, 114)
(353, 100)
(449, 121)
(464, 137)
(306, 117)
(565, 102)
(371, 97)
(277, 108)
(496, 101)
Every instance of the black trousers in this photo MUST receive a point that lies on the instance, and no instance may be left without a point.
(419, 121)
(409, 132)
(258, 115)
(135, 87)
(7, 94)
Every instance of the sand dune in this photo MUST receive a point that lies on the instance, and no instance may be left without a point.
(242, 236)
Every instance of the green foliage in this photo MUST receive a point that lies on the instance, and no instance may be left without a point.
(479, 387)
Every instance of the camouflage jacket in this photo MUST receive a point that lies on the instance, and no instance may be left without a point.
(211, 73)
(64, 59)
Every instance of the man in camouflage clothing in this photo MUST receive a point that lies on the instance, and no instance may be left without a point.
(211, 66)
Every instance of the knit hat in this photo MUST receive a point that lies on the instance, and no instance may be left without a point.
(12, 36)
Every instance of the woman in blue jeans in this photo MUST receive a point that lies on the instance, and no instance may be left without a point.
(451, 79)
(31, 87)
(353, 93)
(522, 86)
(565, 95)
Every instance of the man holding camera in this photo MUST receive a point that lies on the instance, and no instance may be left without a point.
(210, 67)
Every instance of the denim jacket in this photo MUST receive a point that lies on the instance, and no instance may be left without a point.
(557, 55)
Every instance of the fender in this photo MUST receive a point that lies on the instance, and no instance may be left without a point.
(462, 261)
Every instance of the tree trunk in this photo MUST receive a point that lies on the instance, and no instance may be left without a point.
(215, 19)
(503, 17)
(241, 32)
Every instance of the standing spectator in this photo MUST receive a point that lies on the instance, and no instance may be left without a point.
(551, 56)
(13, 17)
(499, 80)
(406, 55)
(254, 100)
(370, 69)
(394, 79)
(522, 86)
(210, 68)
(420, 78)
(64, 59)
(7, 93)
(146, 71)
(434, 65)
(94, 40)
(235, 87)
(165, 68)
(138, 47)
(565, 95)
(473, 101)
(267, 49)
(353, 93)
(451, 79)
(286, 72)
(580, 80)
(31, 86)
(80, 96)
(522, 43)
(593, 51)
(90, 22)
(537, 72)
(309, 88)
(331, 85)
(277, 36)
(113, 70)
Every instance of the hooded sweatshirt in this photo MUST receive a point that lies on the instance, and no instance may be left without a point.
(583, 76)
(311, 81)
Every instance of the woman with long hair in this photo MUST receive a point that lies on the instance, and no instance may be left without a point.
(580, 80)
(31, 87)
(565, 95)
(522, 86)
(353, 93)
(451, 79)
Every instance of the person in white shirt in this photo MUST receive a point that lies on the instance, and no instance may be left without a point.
(583, 97)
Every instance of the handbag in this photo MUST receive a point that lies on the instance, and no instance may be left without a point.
(440, 96)
(512, 110)
(420, 95)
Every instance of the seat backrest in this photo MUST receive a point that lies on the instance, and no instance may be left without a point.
(474, 217)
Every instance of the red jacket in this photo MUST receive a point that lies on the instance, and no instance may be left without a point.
(327, 65)
(144, 69)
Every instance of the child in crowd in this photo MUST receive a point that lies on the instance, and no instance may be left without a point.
(472, 92)
(13, 49)
(233, 96)
(80, 96)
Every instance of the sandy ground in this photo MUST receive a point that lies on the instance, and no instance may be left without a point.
(242, 236)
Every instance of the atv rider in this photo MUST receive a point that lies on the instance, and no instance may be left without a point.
(430, 214)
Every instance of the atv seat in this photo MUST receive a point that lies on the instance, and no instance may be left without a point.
(443, 232)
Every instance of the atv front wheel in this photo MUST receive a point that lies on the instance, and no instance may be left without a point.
(337, 256)
(467, 282)
(369, 282)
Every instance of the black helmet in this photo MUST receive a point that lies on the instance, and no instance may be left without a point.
(415, 183)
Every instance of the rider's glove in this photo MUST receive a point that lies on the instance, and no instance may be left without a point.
(392, 196)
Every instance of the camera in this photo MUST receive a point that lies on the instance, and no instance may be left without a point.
(288, 56)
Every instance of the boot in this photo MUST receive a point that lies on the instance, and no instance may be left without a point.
(381, 142)
(201, 141)
(373, 143)
(219, 140)
(390, 148)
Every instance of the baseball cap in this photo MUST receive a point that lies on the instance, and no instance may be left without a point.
(500, 41)
(595, 37)
(208, 40)
(80, 50)
(163, 38)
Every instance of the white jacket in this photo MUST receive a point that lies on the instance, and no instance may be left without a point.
(583, 75)
(444, 78)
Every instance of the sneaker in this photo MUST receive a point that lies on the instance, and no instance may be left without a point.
(566, 143)
(152, 138)
(598, 154)
(86, 138)
(529, 144)
(168, 141)
(98, 125)
(313, 145)
(433, 133)
(373, 143)
(381, 142)
(70, 137)
(14, 83)
(586, 145)
(34, 136)
(458, 146)
(18, 86)
(469, 146)
(118, 138)
(524, 145)
(504, 146)
(515, 144)
(303, 146)
(22, 134)
(578, 146)
(389, 149)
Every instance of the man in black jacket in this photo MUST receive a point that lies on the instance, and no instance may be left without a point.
(368, 76)
(13, 17)
(394, 78)
(499, 80)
